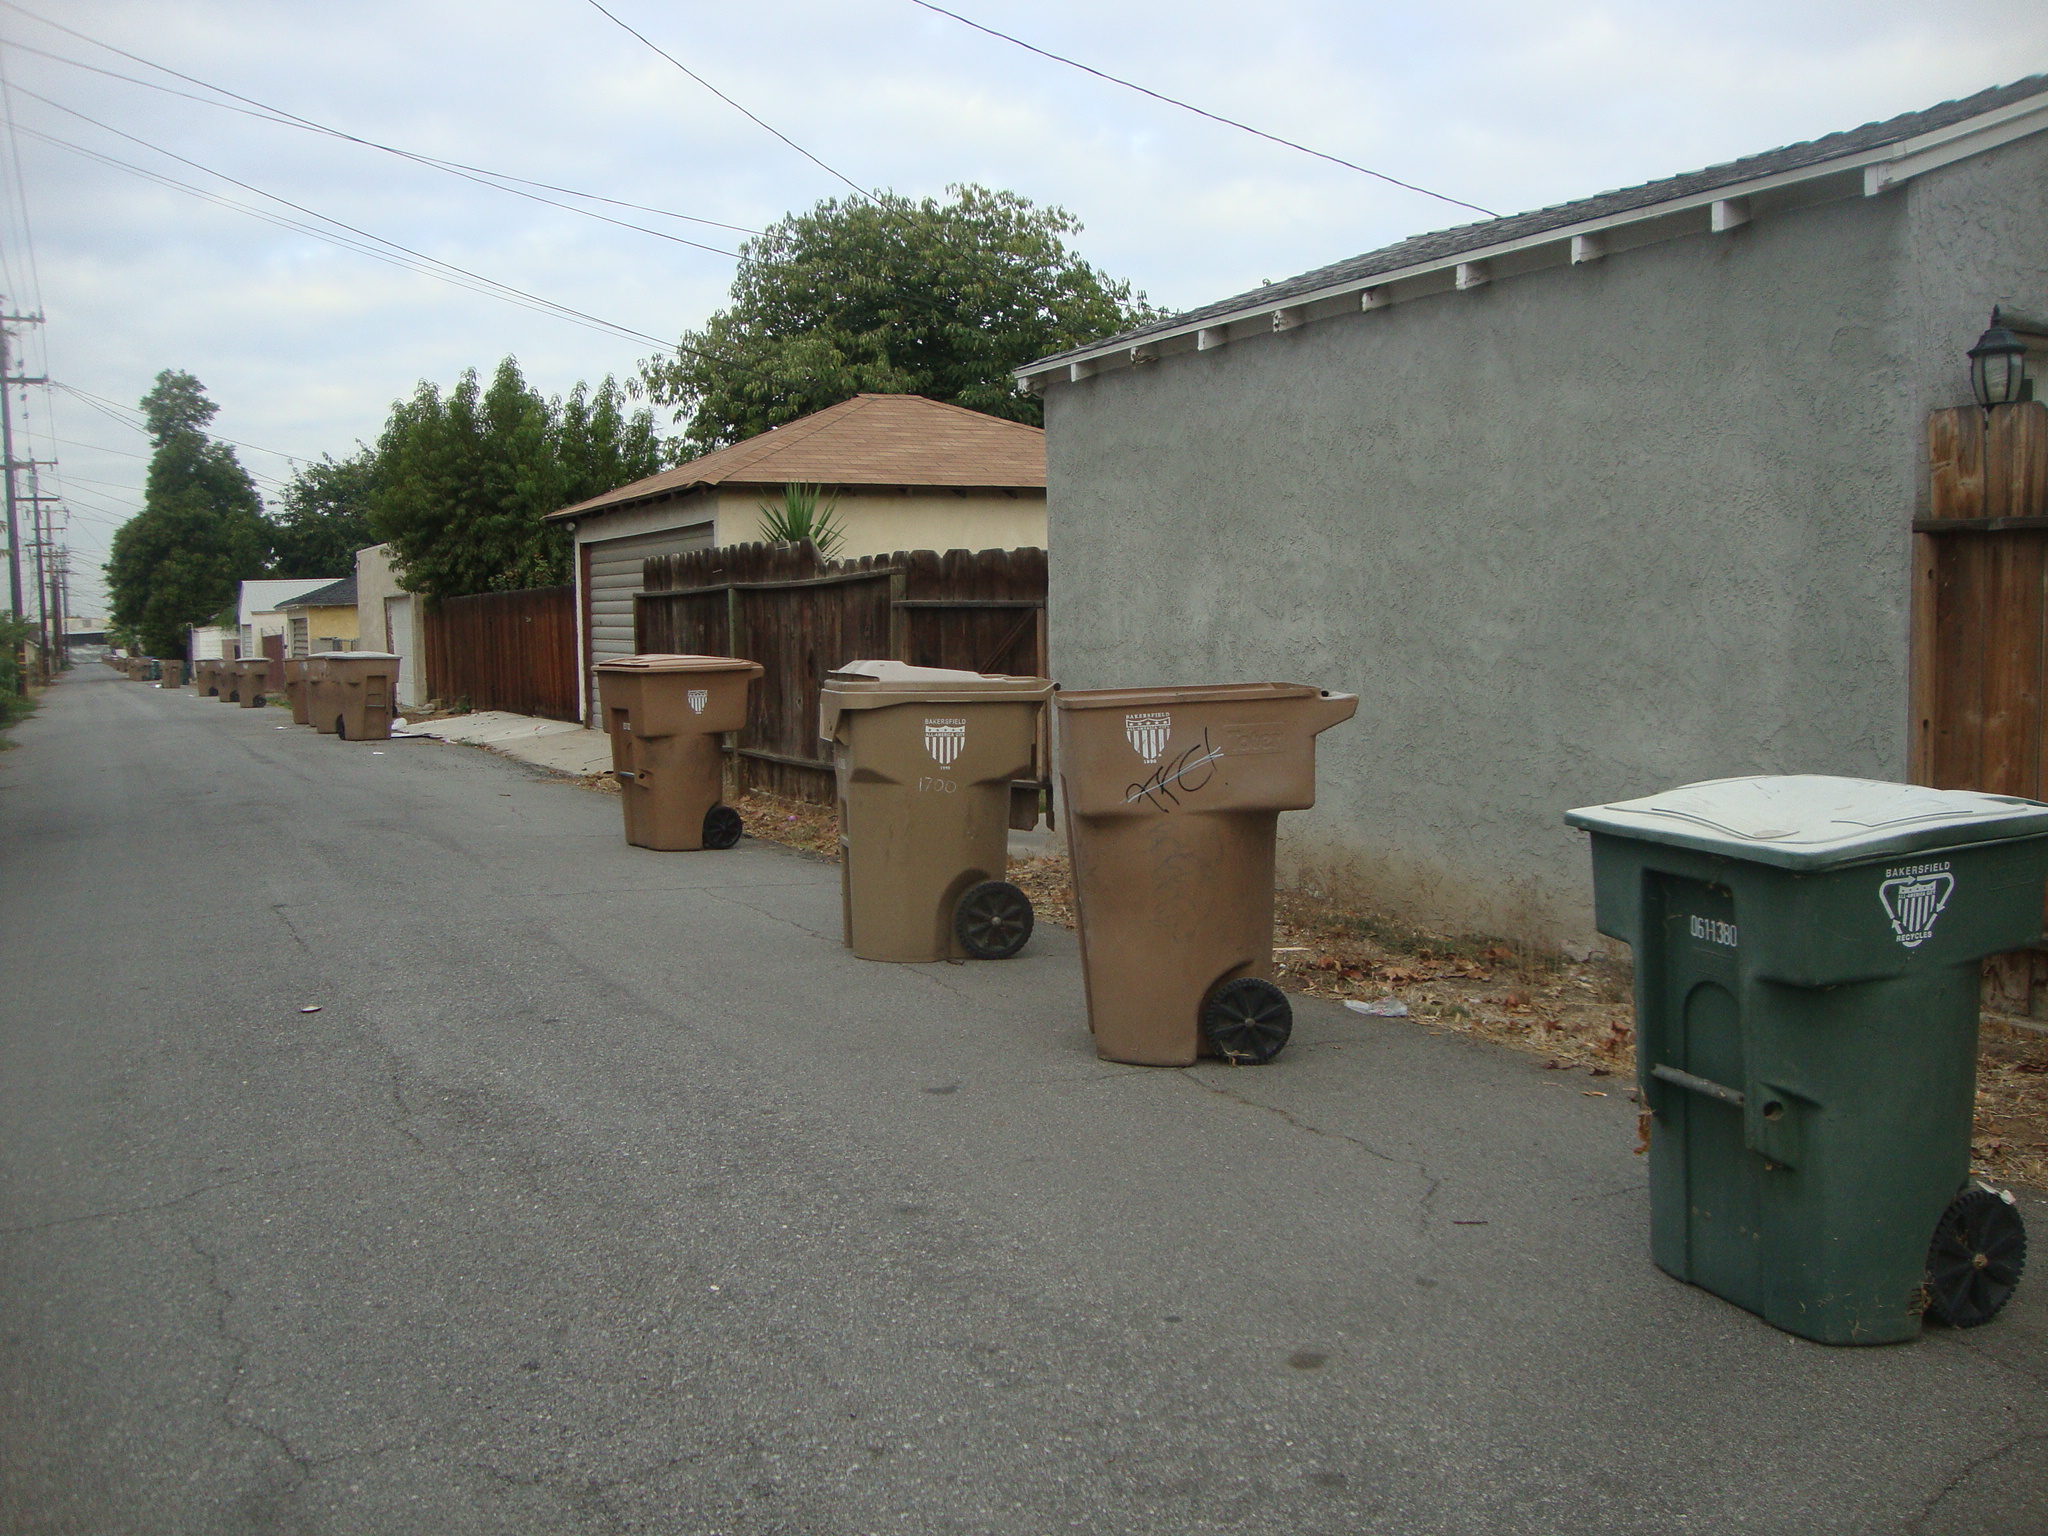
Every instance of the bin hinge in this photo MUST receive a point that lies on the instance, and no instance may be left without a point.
(1711, 1089)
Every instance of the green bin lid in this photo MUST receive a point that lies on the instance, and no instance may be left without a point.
(1813, 821)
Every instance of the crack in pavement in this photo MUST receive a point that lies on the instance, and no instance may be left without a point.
(1965, 1472)
(143, 1210)
(284, 916)
(773, 917)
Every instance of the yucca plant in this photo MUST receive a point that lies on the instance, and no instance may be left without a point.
(798, 516)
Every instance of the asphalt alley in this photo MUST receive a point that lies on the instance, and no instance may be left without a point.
(606, 1192)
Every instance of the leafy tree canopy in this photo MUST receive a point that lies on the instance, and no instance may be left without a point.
(895, 296)
(464, 479)
(201, 531)
(325, 517)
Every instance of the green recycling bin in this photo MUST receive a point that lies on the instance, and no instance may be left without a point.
(1807, 970)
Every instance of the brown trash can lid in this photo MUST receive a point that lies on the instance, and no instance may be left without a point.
(351, 655)
(657, 661)
(1192, 693)
(884, 684)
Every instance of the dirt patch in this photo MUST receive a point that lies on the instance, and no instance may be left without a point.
(1578, 1015)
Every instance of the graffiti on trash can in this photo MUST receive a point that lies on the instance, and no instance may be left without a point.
(1187, 772)
(944, 739)
(1913, 897)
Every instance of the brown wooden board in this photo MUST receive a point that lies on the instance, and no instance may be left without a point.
(513, 651)
(801, 616)
(1980, 617)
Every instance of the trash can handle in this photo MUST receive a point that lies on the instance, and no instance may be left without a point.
(1703, 1085)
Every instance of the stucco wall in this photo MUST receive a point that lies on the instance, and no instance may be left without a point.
(1575, 536)
(375, 581)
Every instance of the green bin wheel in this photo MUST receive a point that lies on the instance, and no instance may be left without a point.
(1977, 1257)
(722, 827)
(993, 920)
(1247, 1020)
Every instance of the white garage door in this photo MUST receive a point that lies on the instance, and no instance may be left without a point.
(616, 566)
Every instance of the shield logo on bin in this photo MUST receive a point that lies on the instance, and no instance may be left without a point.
(944, 739)
(699, 697)
(1148, 733)
(1913, 902)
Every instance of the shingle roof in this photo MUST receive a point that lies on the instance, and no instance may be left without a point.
(868, 440)
(1446, 243)
(336, 594)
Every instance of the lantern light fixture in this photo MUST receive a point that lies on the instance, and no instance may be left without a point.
(1998, 367)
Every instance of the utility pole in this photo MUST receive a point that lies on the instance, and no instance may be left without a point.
(45, 572)
(8, 461)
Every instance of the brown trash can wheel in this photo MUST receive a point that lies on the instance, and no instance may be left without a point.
(993, 920)
(1247, 1020)
(722, 827)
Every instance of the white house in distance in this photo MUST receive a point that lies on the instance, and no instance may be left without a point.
(903, 472)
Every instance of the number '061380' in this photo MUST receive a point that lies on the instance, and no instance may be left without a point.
(1712, 930)
(938, 786)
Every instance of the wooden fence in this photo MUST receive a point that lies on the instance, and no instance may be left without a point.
(1980, 628)
(505, 650)
(802, 616)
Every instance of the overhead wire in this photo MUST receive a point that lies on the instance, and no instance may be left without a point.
(423, 265)
(479, 178)
(714, 90)
(288, 118)
(1214, 117)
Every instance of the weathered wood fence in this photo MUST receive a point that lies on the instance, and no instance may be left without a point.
(1980, 628)
(505, 650)
(802, 616)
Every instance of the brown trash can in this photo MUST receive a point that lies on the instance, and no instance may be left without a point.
(173, 674)
(252, 681)
(295, 690)
(323, 693)
(925, 757)
(355, 695)
(1172, 796)
(202, 675)
(665, 715)
(230, 690)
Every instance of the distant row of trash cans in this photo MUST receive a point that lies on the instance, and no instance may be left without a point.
(351, 694)
(1806, 948)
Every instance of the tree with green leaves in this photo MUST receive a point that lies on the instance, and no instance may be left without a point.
(201, 531)
(325, 516)
(891, 296)
(465, 479)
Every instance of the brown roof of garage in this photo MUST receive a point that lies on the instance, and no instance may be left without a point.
(868, 440)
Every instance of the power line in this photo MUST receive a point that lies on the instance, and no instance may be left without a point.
(108, 408)
(28, 236)
(479, 179)
(714, 90)
(426, 266)
(1214, 117)
(338, 223)
(289, 119)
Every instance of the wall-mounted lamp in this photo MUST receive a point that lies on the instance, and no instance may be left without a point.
(1998, 371)
(570, 526)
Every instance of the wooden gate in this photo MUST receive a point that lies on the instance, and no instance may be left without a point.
(802, 616)
(1980, 626)
(504, 650)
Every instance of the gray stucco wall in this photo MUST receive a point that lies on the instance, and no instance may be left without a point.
(1575, 536)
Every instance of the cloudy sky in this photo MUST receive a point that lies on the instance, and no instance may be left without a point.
(1509, 104)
